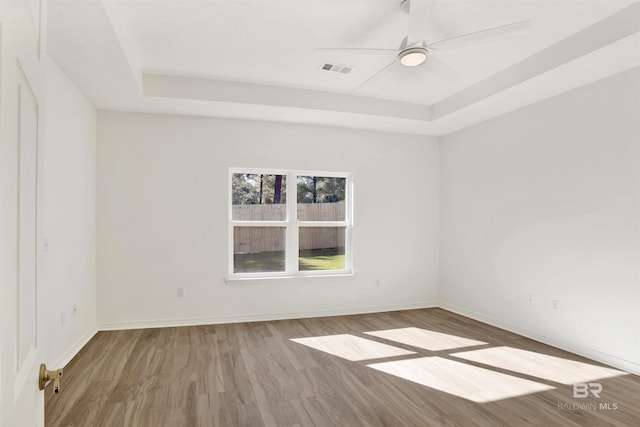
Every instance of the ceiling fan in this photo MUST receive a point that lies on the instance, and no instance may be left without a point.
(414, 49)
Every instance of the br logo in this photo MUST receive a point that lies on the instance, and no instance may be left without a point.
(583, 390)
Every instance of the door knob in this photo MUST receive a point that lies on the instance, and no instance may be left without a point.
(47, 375)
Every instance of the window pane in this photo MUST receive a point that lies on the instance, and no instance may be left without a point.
(321, 248)
(321, 198)
(258, 197)
(258, 249)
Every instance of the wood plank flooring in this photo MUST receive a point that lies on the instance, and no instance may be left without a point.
(435, 368)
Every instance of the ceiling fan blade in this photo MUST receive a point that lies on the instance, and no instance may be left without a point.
(356, 50)
(418, 20)
(491, 34)
(377, 73)
(443, 70)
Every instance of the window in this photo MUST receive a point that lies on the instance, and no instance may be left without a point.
(289, 223)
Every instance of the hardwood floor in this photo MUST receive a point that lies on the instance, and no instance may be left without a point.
(408, 368)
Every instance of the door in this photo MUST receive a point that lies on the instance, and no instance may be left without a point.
(21, 87)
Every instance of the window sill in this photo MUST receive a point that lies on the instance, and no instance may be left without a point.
(240, 280)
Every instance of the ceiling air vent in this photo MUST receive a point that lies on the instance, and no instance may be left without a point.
(336, 68)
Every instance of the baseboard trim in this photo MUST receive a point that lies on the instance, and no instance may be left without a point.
(196, 321)
(75, 348)
(598, 356)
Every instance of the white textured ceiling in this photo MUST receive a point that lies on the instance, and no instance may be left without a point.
(256, 59)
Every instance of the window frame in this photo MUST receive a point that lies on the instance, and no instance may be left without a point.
(292, 225)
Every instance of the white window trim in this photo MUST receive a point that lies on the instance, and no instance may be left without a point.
(292, 226)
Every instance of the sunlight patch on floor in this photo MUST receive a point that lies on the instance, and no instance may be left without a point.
(423, 338)
(351, 347)
(539, 365)
(459, 379)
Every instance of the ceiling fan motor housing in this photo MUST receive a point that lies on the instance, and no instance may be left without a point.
(413, 56)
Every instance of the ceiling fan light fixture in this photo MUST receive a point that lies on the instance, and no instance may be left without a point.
(413, 56)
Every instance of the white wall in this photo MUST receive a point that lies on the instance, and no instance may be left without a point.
(162, 219)
(545, 201)
(68, 271)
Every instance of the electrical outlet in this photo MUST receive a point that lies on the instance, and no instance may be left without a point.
(555, 304)
(180, 292)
